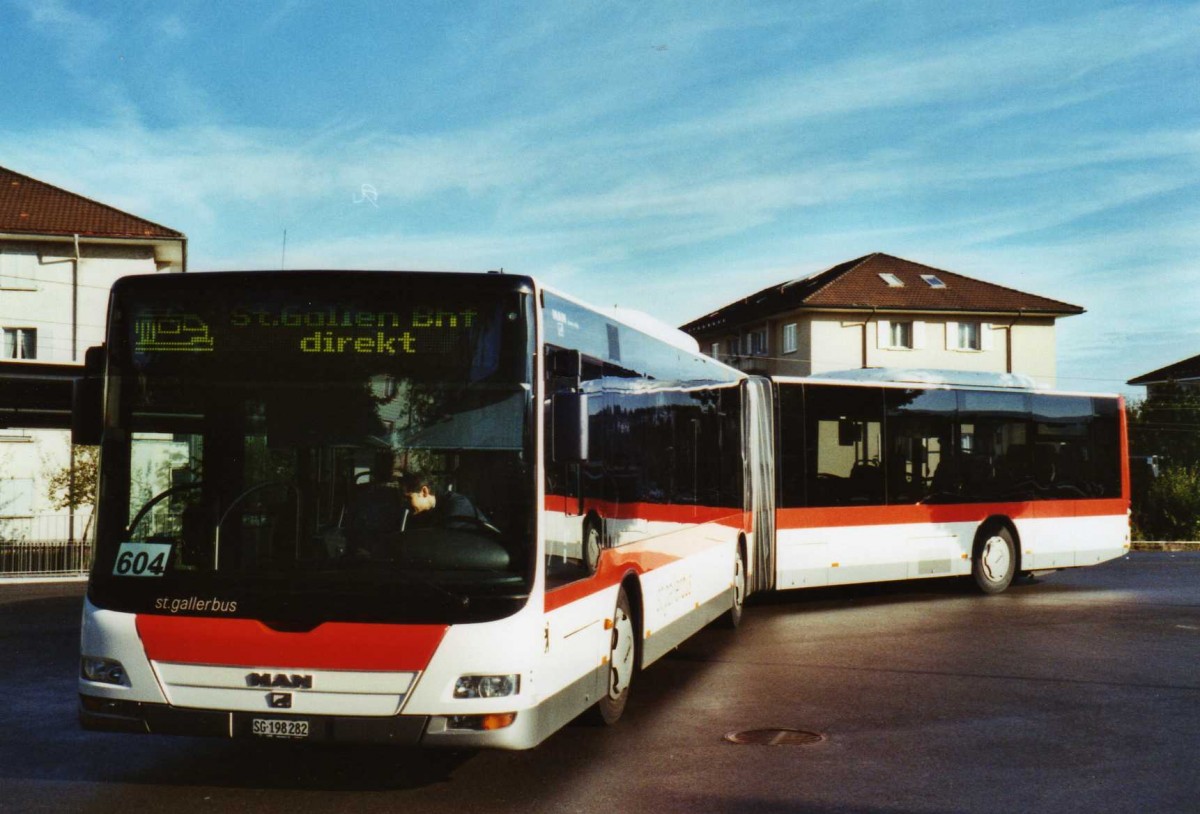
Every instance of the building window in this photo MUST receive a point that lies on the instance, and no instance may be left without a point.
(789, 338)
(891, 279)
(18, 343)
(714, 350)
(754, 343)
(968, 335)
(900, 335)
(933, 281)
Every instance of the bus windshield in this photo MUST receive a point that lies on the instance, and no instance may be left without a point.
(259, 431)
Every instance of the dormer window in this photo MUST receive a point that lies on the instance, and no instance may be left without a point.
(891, 279)
(933, 281)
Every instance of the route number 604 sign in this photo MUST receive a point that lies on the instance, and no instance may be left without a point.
(142, 559)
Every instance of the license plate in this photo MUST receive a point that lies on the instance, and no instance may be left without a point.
(278, 728)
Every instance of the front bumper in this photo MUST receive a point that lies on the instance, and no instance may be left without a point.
(138, 717)
(109, 715)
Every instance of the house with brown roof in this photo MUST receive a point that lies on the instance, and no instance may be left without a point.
(884, 311)
(1184, 374)
(60, 253)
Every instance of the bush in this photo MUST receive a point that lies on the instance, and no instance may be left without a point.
(1170, 507)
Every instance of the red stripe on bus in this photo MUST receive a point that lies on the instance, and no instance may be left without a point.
(250, 643)
(656, 512)
(580, 589)
(835, 516)
(615, 564)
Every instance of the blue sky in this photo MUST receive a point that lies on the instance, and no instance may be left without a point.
(668, 157)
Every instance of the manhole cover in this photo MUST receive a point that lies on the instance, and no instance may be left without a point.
(775, 737)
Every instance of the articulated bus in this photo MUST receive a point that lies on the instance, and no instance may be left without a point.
(255, 572)
(892, 475)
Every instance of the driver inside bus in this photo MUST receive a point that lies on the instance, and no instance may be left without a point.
(396, 501)
(436, 508)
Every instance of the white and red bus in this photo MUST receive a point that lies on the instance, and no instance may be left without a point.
(255, 571)
(893, 475)
(255, 574)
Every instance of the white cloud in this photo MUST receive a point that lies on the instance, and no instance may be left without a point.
(1025, 62)
(677, 180)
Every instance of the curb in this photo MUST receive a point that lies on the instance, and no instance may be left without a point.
(1178, 545)
(42, 580)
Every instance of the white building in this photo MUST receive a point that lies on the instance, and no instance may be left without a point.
(59, 255)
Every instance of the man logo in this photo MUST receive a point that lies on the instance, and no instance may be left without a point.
(279, 681)
(279, 700)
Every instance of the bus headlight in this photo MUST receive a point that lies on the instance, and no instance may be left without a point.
(487, 686)
(103, 671)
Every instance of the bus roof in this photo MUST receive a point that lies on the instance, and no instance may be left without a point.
(653, 333)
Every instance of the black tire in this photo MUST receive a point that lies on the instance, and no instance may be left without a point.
(994, 561)
(622, 660)
(733, 617)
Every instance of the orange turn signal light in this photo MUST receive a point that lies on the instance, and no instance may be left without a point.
(497, 720)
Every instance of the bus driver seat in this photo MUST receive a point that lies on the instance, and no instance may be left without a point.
(376, 518)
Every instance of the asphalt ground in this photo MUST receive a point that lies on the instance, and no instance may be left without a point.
(1079, 691)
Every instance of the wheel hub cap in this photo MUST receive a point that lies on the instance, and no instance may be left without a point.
(622, 654)
(995, 558)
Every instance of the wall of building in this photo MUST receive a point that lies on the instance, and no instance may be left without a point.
(38, 282)
(799, 361)
(837, 342)
(834, 341)
(28, 460)
(1035, 351)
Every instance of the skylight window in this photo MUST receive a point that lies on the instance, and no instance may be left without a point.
(891, 279)
(933, 281)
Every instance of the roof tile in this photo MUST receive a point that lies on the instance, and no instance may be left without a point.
(30, 206)
(857, 285)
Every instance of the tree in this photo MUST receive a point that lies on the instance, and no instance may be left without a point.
(1166, 424)
(1165, 427)
(1169, 507)
(76, 488)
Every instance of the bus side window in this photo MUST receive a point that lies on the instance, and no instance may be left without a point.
(994, 447)
(846, 456)
(791, 464)
(921, 464)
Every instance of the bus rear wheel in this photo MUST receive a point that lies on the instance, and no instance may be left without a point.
(995, 560)
(622, 659)
(733, 617)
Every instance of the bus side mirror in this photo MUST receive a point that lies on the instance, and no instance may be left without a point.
(569, 430)
(87, 400)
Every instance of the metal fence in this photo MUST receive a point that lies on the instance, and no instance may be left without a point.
(45, 545)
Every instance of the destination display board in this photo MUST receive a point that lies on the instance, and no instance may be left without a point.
(307, 329)
(286, 334)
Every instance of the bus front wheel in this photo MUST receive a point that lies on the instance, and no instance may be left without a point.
(622, 658)
(995, 560)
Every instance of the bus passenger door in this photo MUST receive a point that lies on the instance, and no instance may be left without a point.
(758, 461)
(563, 510)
